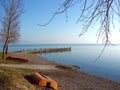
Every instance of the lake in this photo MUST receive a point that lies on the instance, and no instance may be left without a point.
(84, 56)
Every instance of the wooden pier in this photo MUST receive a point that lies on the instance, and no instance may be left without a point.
(47, 50)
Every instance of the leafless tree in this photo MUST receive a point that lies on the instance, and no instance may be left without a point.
(102, 12)
(10, 22)
(93, 11)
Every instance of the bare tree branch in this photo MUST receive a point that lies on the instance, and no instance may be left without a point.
(102, 12)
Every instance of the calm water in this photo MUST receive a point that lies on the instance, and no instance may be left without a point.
(107, 66)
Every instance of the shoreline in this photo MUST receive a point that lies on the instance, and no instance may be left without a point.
(69, 79)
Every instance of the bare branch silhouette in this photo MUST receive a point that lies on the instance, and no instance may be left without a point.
(93, 11)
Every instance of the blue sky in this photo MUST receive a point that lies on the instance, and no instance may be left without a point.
(58, 31)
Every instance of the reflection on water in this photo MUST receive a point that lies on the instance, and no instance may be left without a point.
(107, 66)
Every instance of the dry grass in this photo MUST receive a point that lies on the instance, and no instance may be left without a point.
(5, 61)
(13, 79)
(8, 61)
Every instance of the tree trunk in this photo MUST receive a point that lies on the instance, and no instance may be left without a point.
(4, 48)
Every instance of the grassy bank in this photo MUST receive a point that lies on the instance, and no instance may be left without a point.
(5, 61)
(14, 79)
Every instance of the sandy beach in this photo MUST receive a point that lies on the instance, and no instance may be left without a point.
(69, 79)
